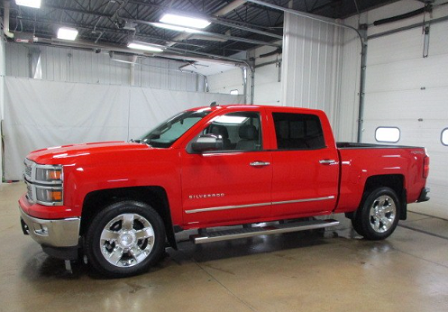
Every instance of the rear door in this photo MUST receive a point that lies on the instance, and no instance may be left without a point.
(305, 166)
(231, 185)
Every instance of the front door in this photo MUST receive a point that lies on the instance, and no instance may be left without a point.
(232, 185)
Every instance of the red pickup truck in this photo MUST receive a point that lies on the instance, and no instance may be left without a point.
(122, 203)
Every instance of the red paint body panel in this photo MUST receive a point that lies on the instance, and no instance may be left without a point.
(222, 188)
(360, 164)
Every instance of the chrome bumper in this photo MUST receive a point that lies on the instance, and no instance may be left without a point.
(53, 233)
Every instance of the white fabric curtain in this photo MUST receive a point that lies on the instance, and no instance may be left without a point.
(40, 114)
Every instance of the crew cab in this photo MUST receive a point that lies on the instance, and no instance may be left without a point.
(120, 204)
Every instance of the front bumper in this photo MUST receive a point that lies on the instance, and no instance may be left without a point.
(52, 233)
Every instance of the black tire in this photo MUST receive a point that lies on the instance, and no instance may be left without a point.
(124, 239)
(357, 226)
(378, 215)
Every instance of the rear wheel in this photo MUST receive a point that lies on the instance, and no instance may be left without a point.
(125, 239)
(378, 215)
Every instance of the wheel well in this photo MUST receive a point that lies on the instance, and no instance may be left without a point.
(393, 181)
(154, 196)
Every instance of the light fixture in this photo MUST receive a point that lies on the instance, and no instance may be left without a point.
(145, 47)
(29, 3)
(186, 21)
(175, 28)
(66, 33)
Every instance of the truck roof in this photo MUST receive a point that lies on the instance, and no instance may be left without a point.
(255, 106)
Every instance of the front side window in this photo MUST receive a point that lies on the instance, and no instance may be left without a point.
(169, 131)
(298, 131)
(240, 131)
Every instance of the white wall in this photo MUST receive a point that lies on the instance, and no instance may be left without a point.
(72, 65)
(36, 118)
(2, 98)
(267, 89)
(267, 84)
(226, 81)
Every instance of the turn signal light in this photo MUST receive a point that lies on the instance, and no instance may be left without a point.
(55, 196)
(54, 174)
(49, 195)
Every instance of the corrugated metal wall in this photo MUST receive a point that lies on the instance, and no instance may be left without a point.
(346, 123)
(71, 65)
(310, 64)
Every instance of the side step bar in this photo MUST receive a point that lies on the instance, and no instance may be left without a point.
(217, 236)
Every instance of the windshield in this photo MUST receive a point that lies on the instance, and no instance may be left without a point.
(169, 131)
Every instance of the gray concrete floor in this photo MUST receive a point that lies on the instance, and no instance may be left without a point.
(336, 271)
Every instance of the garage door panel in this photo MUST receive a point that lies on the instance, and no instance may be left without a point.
(409, 104)
(409, 43)
(412, 132)
(440, 44)
(408, 74)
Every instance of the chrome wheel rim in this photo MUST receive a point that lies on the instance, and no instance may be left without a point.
(382, 214)
(127, 240)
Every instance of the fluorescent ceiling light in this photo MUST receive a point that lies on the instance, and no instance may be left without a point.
(29, 3)
(184, 21)
(145, 47)
(67, 33)
(175, 28)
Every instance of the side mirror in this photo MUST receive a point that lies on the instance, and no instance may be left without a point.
(207, 142)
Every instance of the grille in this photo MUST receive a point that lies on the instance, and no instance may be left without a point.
(29, 192)
(28, 169)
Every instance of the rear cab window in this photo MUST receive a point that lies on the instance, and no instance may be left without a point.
(295, 131)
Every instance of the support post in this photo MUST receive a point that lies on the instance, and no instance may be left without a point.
(244, 73)
(362, 83)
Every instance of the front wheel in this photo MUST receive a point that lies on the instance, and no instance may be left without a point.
(378, 215)
(125, 239)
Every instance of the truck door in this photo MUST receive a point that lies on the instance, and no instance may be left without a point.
(305, 170)
(232, 184)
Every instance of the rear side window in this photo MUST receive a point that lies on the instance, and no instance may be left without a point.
(298, 131)
(387, 134)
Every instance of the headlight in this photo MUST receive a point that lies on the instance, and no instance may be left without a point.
(44, 183)
(48, 174)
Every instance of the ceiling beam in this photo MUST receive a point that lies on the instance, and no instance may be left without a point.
(153, 24)
(215, 35)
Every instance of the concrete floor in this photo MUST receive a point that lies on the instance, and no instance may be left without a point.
(306, 271)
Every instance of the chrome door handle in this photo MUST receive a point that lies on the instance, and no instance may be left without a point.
(259, 163)
(327, 162)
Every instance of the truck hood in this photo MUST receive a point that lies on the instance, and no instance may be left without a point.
(69, 154)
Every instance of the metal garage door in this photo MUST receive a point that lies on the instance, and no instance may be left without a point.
(407, 91)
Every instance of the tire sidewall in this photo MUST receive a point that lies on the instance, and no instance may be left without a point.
(368, 231)
(93, 235)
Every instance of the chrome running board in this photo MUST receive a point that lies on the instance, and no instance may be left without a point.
(217, 236)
